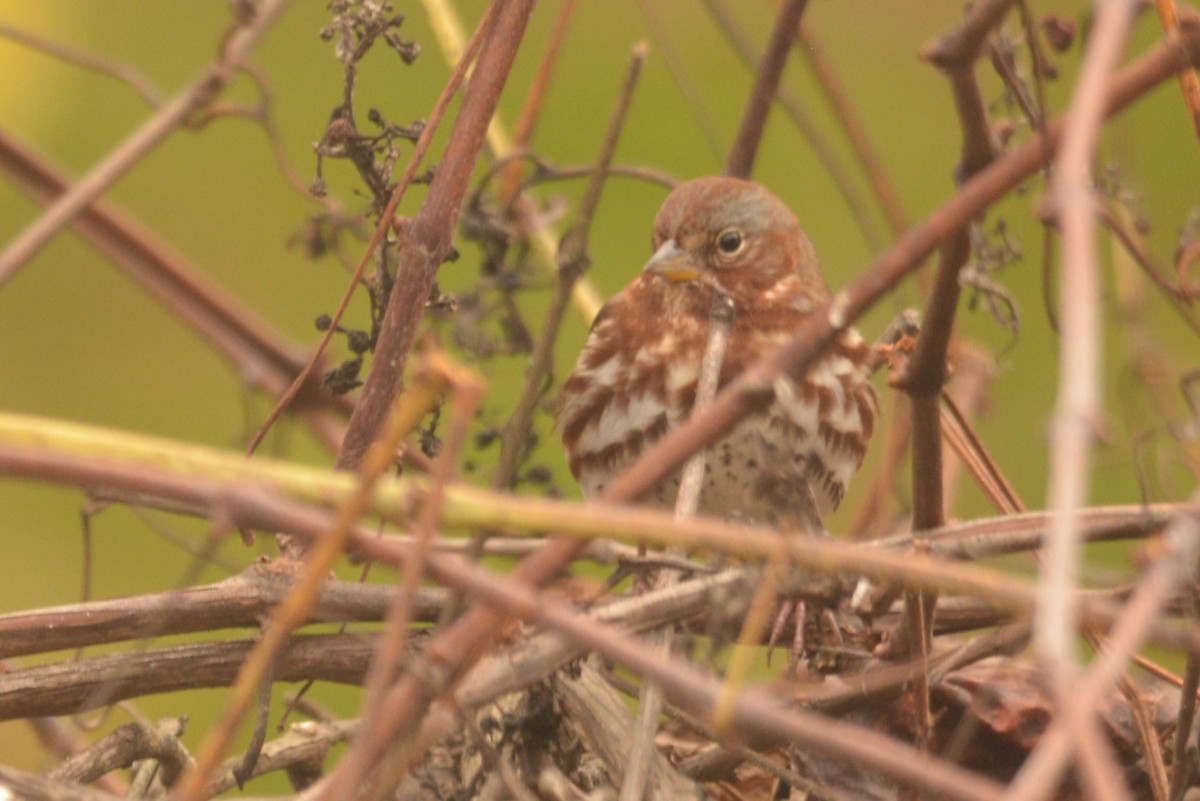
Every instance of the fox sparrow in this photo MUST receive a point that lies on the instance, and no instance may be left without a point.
(636, 378)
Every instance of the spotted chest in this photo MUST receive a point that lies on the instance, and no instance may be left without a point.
(791, 461)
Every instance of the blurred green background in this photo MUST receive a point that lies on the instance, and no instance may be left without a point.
(79, 341)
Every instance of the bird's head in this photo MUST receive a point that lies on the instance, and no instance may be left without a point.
(735, 236)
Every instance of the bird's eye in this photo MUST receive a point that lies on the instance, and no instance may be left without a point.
(730, 241)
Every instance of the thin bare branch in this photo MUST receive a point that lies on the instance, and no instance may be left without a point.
(388, 658)
(65, 688)
(523, 128)
(166, 121)
(1175, 567)
(295, 608)
(642, 753)
(830, 158)
(124, 746)
(1135, 246)
(261, 355)
(307, 742)
(448, 29)
(237, 602)
(752, 389)
(664, 45)
(1183, 765)
(572, 260)
(131, 77)
(853, 128)
(87, 457)
(35, 787)
(740, 163)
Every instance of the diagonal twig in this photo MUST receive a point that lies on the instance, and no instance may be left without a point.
(1189, 82)
(261, 355)
(219, 482)
(740, 162)
(524, 127)
(448, 30)
(665, 46)
(831, 160)
(751, 390)
(169, 117)
(854, 129)
(296, 606)
(131, 77)
(388, 658)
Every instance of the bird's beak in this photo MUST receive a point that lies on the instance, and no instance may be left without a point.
(671, 263)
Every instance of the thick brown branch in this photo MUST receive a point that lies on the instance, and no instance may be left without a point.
(122, 747)
(241, 601)
(427, 239)
(69, 687)
(32, 787)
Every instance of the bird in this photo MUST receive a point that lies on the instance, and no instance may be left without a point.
(786, 465)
